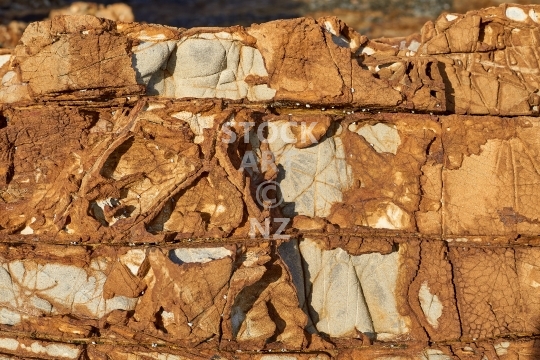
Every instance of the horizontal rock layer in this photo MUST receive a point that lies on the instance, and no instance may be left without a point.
(155, 170)
(305, 296)
(291, 190)
(482, 62)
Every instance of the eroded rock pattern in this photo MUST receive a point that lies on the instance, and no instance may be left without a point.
(292, 190)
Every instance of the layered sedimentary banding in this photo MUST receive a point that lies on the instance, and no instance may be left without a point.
(291, 190)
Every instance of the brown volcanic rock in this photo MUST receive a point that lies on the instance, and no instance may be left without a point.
(488, 57)
(269, 192)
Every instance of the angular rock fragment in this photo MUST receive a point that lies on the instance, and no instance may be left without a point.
(487, 59)
(183, 299)
(99, 60)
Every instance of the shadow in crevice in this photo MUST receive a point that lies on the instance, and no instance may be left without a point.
(3, 121)
(245, 300)
(278, 320)
(288, 208)
(158, 323)
(110, 165)
(289, 252)
(91, 117)
(449, 91)
(312, 313)
(174, 258)
(7, 151)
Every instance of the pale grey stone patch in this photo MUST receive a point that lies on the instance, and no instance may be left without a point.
(434, 354)
(382, 137)
(352, 293)
(378, 276)
(8, 77)
(9, 317)
(4, 59)
(197, 123)
(502, 348)
(430, 304)
(311, 179)
(54, 288)
(201, 66)
(54, 350)
(133, 259)
(41, 304)
(389, 217)
(12, 89)
(149, 58)
(516, 13)
(198, 255)
(7, 289)
(196, 58)
(9, 344)
(533, 15)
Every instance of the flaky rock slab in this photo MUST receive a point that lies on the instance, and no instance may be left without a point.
(163, 170)
(482, 62)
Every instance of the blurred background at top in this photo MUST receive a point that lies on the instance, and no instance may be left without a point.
(374, 18)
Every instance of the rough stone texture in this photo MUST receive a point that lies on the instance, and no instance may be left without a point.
(291, 190)
(503, 200)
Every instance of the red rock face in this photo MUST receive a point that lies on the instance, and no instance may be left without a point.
(291, 190)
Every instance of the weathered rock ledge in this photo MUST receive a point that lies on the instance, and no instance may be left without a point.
(291, 190)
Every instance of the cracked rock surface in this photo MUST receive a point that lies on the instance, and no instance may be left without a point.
(288, 191)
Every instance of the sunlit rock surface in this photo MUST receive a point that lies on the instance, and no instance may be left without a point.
(289, 190)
